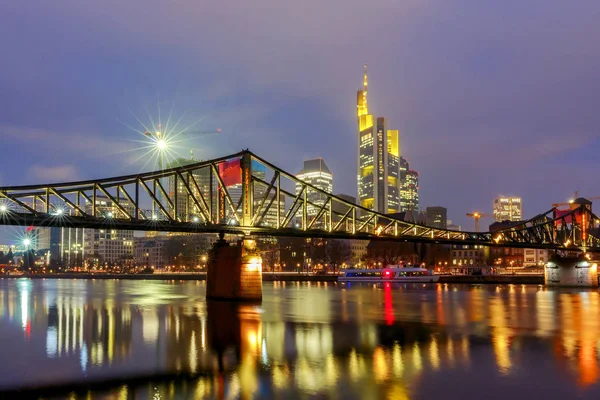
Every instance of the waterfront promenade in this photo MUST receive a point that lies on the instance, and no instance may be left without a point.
(285, 277)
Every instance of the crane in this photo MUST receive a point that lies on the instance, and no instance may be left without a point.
(576, 196)
(477, 216)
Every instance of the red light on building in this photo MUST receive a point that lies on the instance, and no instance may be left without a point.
(231, 172)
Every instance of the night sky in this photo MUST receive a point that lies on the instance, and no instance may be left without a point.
(490, 97)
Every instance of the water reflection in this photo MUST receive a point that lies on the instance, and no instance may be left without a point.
(360, 342)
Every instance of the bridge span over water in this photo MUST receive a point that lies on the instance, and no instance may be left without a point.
(245, 194)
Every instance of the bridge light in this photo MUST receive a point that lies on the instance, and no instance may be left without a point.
(232, 221)
(3, 208)
(195, 219)
(26, 242)
(154, 217)
(59, 211)
(161, 144)
(109, 214)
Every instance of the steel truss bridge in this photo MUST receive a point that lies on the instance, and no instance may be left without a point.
(245, 194)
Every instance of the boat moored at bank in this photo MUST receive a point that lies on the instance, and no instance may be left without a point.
(390, 274)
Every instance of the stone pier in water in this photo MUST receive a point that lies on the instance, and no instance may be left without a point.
(234, 272)
(579, 271)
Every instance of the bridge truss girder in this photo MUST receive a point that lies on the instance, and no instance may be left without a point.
(231, 195)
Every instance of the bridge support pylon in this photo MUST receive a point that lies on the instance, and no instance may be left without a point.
(580, 271)
(234, 272)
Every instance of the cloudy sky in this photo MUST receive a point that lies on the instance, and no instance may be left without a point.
(490, 97)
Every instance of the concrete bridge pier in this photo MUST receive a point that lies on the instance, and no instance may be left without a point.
(234, 271)
(580, 271)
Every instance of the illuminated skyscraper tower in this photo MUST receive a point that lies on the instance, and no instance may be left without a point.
(378, 159)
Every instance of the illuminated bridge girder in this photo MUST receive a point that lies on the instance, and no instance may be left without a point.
(245, 194)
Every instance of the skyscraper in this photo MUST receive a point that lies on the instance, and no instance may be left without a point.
(108, 245)
(507, 208)
(409, 187)
(378, 159)
(436, 217)
(317, 173)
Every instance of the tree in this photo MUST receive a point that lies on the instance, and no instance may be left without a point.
(269, 252)
(389, 252)
(333, 252)
(338, 252)
(178, 251)
(28, 259)
(9, 257)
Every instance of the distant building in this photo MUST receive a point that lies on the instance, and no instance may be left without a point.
(378, 159)
(469, 255)
(453, 227)
(409, 187)
(359, 252)
(338, 209)
(508, 208)
(436, 217)
(508, 212)
(108, 245)
(317, 173)
(66, 246)
(535, 257)
(186, 207)
(149, 251)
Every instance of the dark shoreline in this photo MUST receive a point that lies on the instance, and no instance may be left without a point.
(469, 279)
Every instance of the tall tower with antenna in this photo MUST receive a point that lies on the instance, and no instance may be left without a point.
(378, 175)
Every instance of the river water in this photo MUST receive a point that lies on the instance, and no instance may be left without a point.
(126, 339)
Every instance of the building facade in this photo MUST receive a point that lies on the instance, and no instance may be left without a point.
(317, 173)
(469, 255)
(378, 159)
(66, 246)
(507, 208)
(108, 245)
(436, 217)
(409, 187)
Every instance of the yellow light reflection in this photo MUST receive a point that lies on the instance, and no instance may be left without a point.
(434, 356)
(380, 368)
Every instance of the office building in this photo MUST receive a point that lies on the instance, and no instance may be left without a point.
(108, 245)
(508, 208)
(452, 226)
(409, 187)
(66, 246)
(187, 208)
(436, 217)
(317, 173)
(378, 159)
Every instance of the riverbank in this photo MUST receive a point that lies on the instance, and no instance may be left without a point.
(494, 279)
(466, 279)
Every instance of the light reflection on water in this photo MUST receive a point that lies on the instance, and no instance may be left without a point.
(396, 342)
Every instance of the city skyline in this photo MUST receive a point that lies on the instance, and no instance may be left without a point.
(63, 101)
